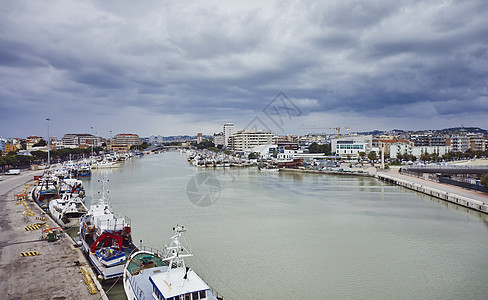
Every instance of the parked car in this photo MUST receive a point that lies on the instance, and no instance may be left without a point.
(13, 172)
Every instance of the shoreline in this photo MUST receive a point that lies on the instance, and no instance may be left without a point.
(55, 269)
(473, 200)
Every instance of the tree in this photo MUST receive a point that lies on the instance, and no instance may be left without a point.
(484, 180)
(372, 157)
(314, 148)
(41, 143)
(253, 155)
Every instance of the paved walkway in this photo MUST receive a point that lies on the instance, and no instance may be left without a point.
(483, 197)
(55, 272)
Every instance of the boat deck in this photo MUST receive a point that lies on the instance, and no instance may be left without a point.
(144, 260)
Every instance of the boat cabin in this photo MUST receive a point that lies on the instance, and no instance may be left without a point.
(177, 284)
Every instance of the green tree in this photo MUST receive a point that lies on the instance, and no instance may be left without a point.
(372, 157)
(41, 143)
(484, 180)
(253, 155)
(313, 148)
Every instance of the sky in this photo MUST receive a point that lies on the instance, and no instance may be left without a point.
(182, 67)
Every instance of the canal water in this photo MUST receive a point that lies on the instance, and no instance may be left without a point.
(274, 235)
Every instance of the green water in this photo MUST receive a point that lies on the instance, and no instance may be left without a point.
(283, 235)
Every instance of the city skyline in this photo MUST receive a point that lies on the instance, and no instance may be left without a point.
(180, 68)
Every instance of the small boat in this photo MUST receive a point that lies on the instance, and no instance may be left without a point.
(45, 190)
(106, 239)
(72, 186)
(68, 210)
(149, 274)
(105, 165)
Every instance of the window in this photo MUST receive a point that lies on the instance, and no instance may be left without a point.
(203, 294)
(187, 297)
(194, 296)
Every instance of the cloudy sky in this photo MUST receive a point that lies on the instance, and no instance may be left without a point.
(182, 67)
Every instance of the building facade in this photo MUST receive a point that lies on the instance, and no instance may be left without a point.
(218, 139)
(247, 139)
(351, 146)
(228, 132)
(124, 139)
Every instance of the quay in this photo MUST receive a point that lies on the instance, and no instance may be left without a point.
(327, 172)
(474, 200)
(33, 268)
(468, 198)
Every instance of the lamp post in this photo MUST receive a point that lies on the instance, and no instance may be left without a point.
(48, 145)
(91, 129)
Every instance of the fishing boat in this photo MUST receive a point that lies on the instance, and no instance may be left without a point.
(106, 239)
(72, 186)
(45, 190)
(68, 210)
(150, 274)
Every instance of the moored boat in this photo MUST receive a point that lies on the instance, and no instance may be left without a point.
(45, 190)
(149, 274)
(68, 210)
(106, 239)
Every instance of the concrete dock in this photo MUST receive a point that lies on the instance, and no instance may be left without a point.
(32, 268)
(468, 198)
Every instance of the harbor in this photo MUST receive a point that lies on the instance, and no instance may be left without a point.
(337, 213)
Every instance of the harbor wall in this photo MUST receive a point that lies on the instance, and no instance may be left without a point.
(431, 191)
(350, 173)
(454, 198)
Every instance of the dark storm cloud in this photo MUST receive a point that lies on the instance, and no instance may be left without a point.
(194, 63)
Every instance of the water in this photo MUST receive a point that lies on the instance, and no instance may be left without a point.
(286, 235)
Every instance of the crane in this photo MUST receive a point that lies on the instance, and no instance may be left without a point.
(338, 128)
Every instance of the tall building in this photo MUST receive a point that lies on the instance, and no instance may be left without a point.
(247, 139)
(126, 139)
(228, 132)
(199, 137)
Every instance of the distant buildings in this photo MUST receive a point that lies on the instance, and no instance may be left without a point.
(199, 137)
(126, 139)
(228, 132)
(74, 140)
(351, 146)
(247, 139)
(219, 139)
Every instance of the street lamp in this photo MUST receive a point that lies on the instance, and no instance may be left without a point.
(91, 129)
(48, 145)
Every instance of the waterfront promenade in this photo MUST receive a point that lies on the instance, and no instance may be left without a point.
(54, 273)
(454, 194)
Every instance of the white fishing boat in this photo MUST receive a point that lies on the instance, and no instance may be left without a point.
(45, 190)
(68, 210)
(105, 165)
(149, 274)
(106, 238)
(72, 186)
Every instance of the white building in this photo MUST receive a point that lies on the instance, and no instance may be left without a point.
(352, 145)
(400, 148)
(417, 151)
(219, 139)
(247, 139)
(228, 132)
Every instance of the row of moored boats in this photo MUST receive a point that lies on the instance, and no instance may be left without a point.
(105, 238)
